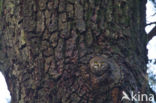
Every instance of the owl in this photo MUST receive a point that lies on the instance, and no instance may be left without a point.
(98, 65)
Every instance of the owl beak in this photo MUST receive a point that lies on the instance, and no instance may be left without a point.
(99, 64)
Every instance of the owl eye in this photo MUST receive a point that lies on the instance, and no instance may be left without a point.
(104, 64)
(95, 63)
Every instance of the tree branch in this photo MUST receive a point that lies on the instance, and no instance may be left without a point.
(151, 23)
(154, 14)
(152, 33)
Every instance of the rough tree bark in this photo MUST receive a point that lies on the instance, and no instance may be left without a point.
(73, 51)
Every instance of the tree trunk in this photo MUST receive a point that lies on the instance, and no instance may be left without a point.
(73, 51)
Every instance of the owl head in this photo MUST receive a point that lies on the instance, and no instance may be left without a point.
(98, 65)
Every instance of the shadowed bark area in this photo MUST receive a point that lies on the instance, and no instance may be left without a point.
(73, 51)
